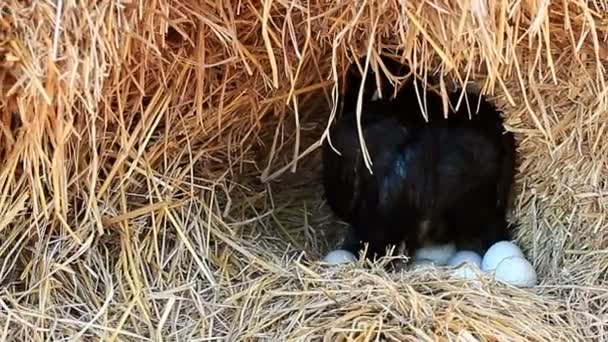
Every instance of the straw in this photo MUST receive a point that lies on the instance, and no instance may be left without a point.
(160, 174)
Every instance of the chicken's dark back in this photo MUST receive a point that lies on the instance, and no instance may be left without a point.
(433, 182)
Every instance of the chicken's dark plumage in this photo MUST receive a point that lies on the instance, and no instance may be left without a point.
(447, 180)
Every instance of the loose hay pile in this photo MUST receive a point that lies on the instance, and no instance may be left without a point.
(134, 135)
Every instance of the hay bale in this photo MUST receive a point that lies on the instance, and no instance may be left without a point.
(134, 136)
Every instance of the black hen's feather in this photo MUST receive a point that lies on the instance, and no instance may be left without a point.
(446, 180)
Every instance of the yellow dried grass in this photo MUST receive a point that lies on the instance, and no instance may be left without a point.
(135, 134)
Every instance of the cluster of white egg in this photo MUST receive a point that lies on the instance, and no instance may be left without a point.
(504, 260)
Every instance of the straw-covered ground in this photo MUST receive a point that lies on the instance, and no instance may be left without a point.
(159, 169)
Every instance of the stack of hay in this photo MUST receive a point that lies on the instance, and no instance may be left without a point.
(160, 176)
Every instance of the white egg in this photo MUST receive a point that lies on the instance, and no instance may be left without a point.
(465, 256)
(438, 254)
(422, 263)
(339, 256)
(467, 271)
(516, 271)
(498, 252)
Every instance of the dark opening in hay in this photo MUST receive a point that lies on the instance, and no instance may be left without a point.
(134, 136)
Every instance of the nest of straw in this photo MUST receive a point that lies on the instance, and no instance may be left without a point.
(160, 170)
